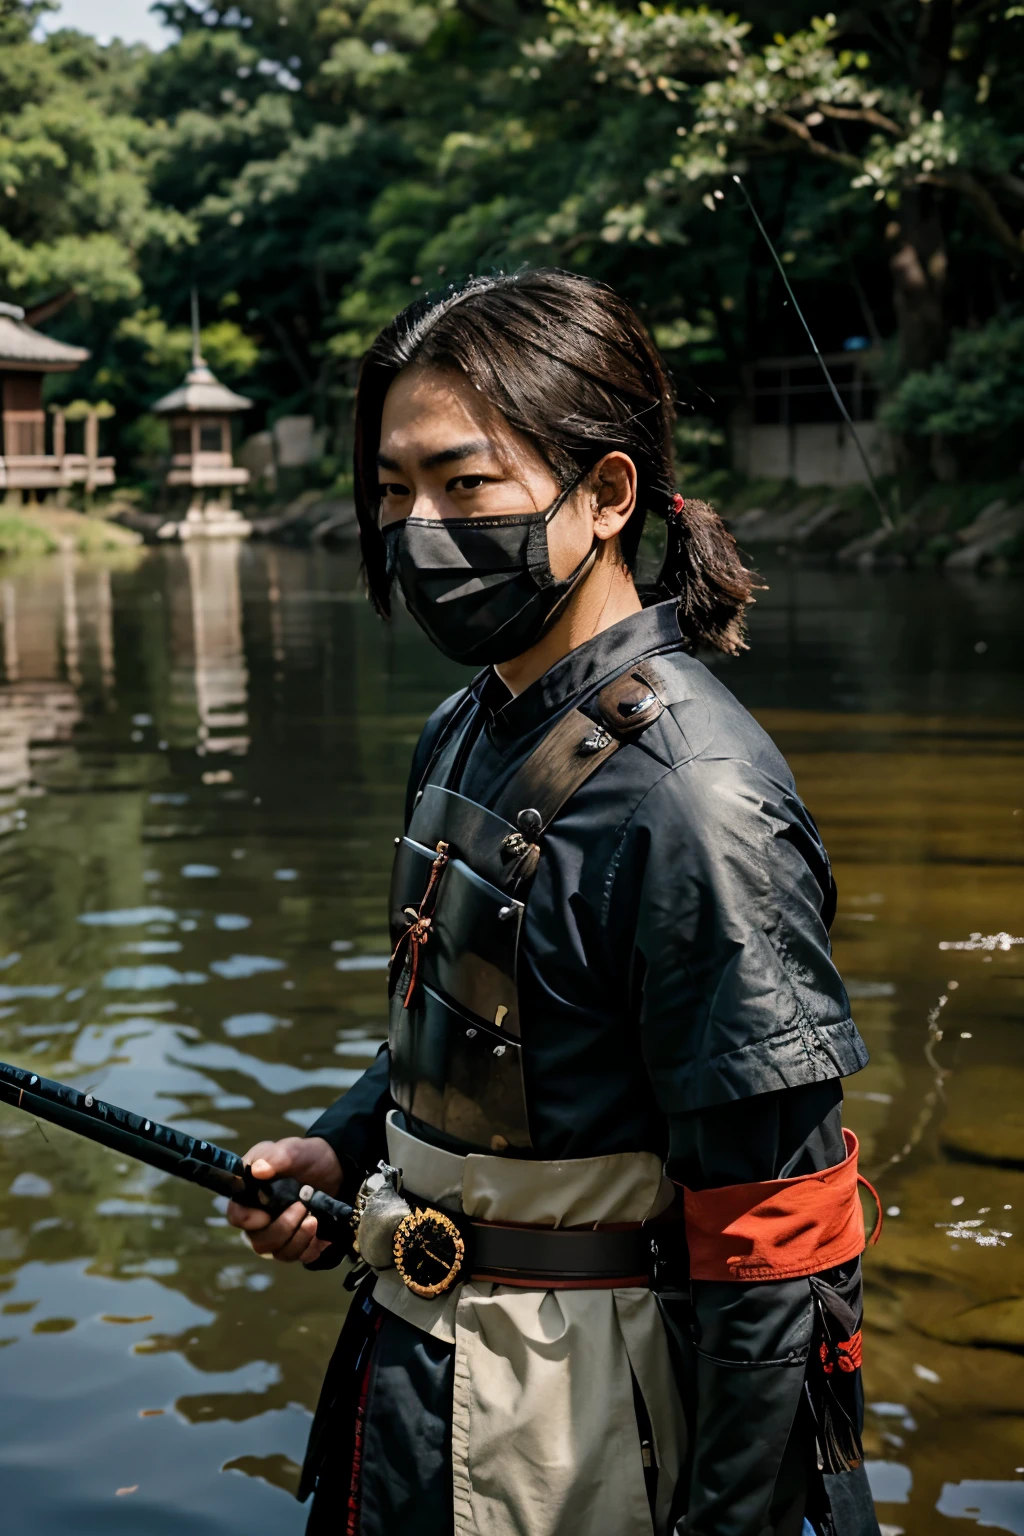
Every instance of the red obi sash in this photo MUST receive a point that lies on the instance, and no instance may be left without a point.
(779, 1229)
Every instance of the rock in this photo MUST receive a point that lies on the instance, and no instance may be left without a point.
(295, 441)
(743, 522)
(256, 454)
(985, 1122)
(996, 526)
(863, 551)
(339, 524)
(310, 519)
(778, 525)
(990, 516)
(817, 521)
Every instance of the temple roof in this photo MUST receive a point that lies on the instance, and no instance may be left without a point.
(201, 392)
(23, 348)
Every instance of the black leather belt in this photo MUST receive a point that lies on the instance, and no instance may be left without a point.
(556, 1256)
(438, 1248)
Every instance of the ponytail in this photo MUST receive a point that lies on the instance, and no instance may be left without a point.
(702, 568)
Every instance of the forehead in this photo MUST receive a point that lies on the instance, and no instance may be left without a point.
(426, 409)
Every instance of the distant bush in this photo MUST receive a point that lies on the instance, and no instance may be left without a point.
(974, 398)
(46, 530)
(20, 536)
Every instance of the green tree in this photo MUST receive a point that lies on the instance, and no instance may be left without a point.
(77, 214)
(310, 165)
(74, 193)
(973, 399)
(274, 137)
(905, 116)
(882, 147)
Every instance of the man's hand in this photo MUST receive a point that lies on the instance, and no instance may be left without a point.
(292, 1235)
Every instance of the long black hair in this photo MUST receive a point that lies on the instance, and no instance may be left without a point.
(570, 365)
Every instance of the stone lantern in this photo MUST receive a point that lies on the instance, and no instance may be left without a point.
(199, 412)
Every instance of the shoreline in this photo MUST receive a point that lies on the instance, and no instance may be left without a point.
(957, 528)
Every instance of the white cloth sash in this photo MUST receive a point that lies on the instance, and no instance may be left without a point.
(544, 1431)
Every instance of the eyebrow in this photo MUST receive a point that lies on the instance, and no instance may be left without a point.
(444, 456)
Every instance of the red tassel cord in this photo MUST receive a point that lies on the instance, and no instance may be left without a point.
(847, 1354)
(831, 1380)
(355, 1481)
(418, 932)
(876, 1230)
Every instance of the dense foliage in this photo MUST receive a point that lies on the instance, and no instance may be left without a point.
(311, 164)
(973, 399)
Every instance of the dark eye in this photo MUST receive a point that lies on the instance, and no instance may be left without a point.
(468, 482)
(392, 488)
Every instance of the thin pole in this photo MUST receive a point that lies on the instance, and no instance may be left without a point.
(837, 397)
(197, 356)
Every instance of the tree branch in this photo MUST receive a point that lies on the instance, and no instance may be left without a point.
(290, 351)
(573, 242)
(800, 131)
(1013, 186)
(897, 50)
(861, 115)
(963, 17)
(503, 17)
(930, 62)
(985, 206)
(43, 312)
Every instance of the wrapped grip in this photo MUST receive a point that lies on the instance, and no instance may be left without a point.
(333, 1217)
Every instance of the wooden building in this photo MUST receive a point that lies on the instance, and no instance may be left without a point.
(26, 357)
(789, 427)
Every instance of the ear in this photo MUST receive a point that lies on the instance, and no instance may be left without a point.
(613, 483)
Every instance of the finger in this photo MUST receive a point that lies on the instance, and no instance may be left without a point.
(247, 1218)
(270, 1240)
(260, 1149)
(318, 1246)
(270, 1158)
(297, 1245)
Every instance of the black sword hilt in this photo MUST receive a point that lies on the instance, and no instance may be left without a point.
(172, 1151)
(333, 1217)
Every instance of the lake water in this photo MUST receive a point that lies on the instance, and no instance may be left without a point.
(202, 761)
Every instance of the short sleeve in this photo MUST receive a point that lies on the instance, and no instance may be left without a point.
(728, 889)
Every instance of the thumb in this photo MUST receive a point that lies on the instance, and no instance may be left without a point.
(269, 1159)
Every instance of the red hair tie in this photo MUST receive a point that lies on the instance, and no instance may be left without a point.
(677, 505)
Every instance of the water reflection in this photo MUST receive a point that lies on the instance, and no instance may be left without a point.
(202, 759)
(209, 682)
(995, 1505)
(37, 704)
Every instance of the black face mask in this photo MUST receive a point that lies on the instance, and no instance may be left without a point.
(481, 587)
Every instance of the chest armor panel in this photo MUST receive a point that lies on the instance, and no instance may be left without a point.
(458, 892)
(454, 1029)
